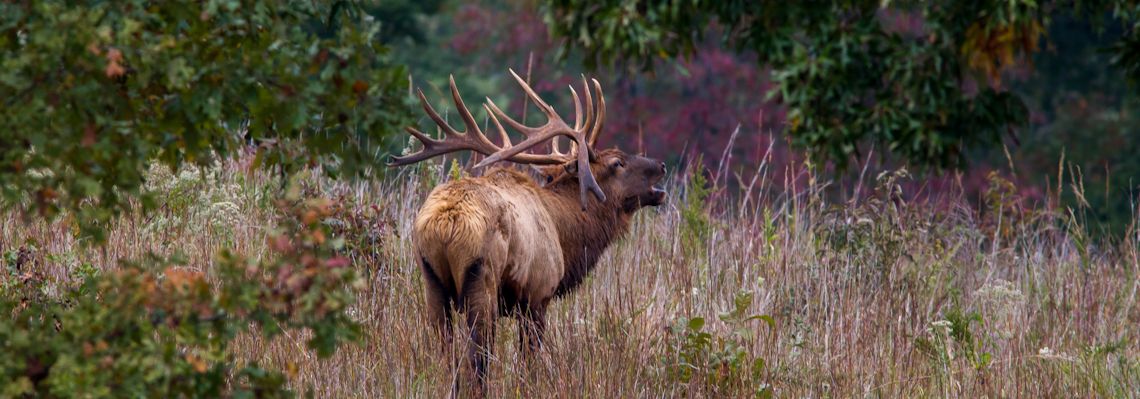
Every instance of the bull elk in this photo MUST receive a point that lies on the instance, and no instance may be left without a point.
(504, 245)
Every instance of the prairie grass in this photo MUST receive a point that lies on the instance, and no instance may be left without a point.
(783, 293)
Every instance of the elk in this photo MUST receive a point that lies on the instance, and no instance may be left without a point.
(503, 244)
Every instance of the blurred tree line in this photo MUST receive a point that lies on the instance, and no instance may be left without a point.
(932, 85)
(928, 84)
(1084, 129)
(686, 108)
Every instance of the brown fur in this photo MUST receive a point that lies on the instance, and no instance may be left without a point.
(501, 244)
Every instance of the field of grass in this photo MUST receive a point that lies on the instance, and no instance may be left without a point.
(777, 293)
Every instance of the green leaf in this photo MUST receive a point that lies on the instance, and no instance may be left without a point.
(765, 318)
(695, 324)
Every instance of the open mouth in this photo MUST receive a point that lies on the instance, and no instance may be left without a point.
(656, 197)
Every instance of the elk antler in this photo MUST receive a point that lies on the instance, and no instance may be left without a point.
(593, 136)
(582, 135)
(471, 139)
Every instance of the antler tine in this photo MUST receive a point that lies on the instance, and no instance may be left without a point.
(473, 132)
(586, 181)
(589, 106)
(542, 105)
(553, 120)
(585, 144)
(596, 131)
(432, 147)
(447, 129)
(534, 135)
(428, 151)
(496, 112)
(554, 127)
(473, 139)
(499, 126)
(555, 146)
(577, 108)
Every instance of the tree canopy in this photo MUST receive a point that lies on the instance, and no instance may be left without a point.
(922, 80)
(180, 81)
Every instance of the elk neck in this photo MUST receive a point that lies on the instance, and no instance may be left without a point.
(583, 235)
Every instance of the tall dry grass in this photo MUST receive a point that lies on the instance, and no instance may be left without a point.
(876, 298)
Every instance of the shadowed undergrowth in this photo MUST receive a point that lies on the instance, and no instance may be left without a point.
(781, 294)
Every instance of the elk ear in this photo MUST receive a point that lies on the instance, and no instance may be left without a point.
(571, 168)
(544, 175)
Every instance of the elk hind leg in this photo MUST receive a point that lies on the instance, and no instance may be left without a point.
(440, 300)
(479, 301)
(532, 326)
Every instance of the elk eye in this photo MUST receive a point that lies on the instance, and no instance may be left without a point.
(617, 164)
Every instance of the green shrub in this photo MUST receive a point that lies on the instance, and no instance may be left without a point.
(950, 341)
(721, 359)
(870, 237)
(154, 328)
(184, 82)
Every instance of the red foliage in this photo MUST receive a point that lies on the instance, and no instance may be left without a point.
(689, 108)
(676, 113)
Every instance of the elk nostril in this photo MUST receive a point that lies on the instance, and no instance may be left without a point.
(662, 168)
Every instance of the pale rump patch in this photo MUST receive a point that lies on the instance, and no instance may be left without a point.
(493, 218)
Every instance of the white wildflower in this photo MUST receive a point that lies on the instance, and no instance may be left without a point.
(940, 328)
(40, 173)
(158, 178)
(1000, 291)
(224, 215)
(1049, 353)
(943, 324)
(188, 174)
(1003, 305)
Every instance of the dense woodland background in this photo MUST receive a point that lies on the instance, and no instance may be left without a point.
(1080, 103)
(876, 198)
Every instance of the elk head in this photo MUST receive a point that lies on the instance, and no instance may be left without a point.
(612, 176)
(629, 181)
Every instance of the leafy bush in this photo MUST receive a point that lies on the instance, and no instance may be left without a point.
(871, 237)
(722, 359)
(1108, 367)
(96, 93)
(86, 112)
(157, 329)
(368, 237)
(953, 340)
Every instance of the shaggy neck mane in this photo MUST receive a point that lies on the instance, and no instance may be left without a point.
(584, 235)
